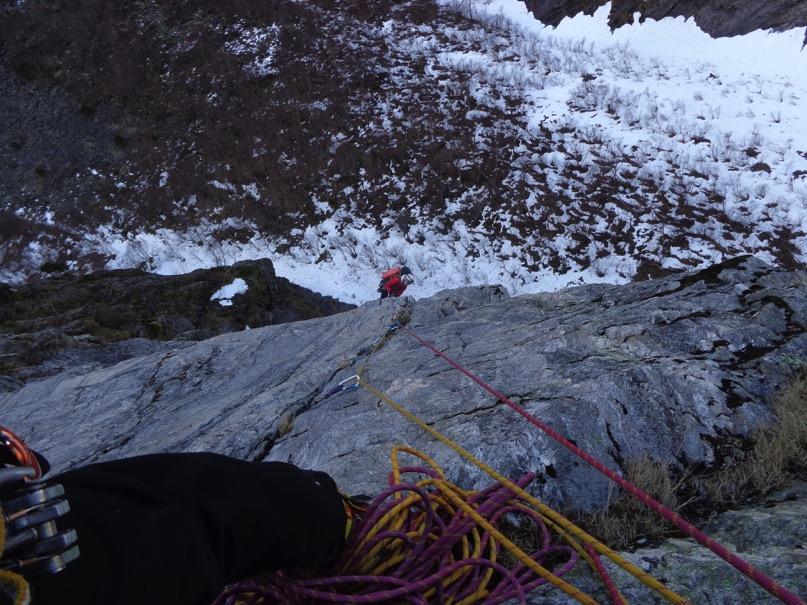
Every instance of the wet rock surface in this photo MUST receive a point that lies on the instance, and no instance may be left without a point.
(715, 18)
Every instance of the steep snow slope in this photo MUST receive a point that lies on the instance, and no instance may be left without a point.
(718, 124)
(528, 157)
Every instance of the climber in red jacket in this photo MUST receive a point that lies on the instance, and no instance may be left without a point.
(395, 281)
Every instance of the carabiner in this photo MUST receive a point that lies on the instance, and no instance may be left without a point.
(351, 387)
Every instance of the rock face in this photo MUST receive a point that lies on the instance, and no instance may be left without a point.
(664, 367)
(771, 537)
(105, 317)
(714, 17)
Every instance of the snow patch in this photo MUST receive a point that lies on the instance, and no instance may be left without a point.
(673, 39)
(260, 45)
(226, 293)
(223, 186)
(357, 256)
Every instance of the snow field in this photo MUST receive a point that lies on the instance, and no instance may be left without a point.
(652, 144)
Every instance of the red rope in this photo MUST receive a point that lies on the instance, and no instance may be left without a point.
(746, 568)
(613, 591)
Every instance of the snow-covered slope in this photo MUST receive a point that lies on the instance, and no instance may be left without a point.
(571, 155)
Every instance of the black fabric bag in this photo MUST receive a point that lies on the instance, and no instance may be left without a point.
(176, 528)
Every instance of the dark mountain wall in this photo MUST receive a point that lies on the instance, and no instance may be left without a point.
(136, 117)
(716, 17)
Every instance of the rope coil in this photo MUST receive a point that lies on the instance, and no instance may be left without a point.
(429, 541)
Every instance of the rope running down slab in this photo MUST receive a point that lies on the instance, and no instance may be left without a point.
(743, 566)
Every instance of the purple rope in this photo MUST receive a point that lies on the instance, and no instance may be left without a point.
(430, 556)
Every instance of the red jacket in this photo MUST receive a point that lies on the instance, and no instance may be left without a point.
(394, 286)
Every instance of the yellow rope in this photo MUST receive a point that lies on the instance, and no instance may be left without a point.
(445, 499)
(523, 557)
(557, 519)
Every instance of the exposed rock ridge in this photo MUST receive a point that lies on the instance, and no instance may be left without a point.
(715, 18)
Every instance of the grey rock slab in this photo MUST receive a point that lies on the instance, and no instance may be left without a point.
(624, 371)
(661, 367)
(225, 394)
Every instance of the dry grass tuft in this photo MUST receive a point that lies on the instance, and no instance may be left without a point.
(523, 533)
(778, 453)
(627, 520)
(285, 424)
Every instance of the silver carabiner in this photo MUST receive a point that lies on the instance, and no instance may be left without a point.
(351, 387)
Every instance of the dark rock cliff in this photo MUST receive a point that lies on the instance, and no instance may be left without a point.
(716, 17)
(109, 316)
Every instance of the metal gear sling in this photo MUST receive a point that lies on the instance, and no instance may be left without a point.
(32, 543)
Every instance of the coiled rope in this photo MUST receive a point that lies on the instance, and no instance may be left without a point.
(428, 541)
(555, 519)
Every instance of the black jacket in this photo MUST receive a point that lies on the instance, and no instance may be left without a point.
(174, 529)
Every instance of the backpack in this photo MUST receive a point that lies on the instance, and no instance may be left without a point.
(388, 275)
